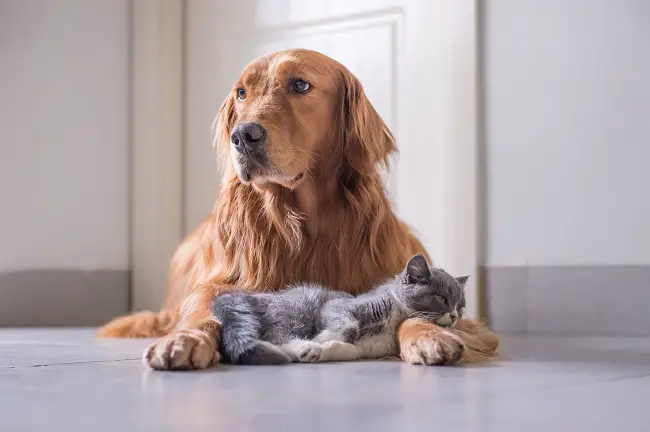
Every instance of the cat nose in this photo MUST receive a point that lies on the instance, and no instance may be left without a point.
(454, 315)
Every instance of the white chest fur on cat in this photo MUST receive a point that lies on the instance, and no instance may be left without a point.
(331, 346)
(383, 344)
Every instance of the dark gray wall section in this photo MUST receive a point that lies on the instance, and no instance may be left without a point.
(62, 297)
(569, 300)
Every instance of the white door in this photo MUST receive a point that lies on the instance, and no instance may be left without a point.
(417, 62)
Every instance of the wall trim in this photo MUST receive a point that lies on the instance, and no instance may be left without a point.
(157, 150)
(569, 300)
(461, 222)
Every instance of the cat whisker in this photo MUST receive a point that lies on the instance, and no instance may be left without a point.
(428, 316)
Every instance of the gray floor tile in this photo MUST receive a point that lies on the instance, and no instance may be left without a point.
(547, 384)
(26, 347)
(601, 405)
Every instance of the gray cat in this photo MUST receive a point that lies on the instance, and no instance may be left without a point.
(309, 323)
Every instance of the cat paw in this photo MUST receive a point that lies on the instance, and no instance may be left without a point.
(182, 350)
(310, 353)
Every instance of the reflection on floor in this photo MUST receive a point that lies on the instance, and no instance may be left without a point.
(65, 380)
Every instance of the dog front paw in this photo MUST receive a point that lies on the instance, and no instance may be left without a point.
(182, 350)
(427, 344)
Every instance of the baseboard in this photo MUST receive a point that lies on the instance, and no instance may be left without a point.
(62, 297)
(569, 300)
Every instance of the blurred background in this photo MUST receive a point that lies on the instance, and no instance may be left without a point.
(537, 140)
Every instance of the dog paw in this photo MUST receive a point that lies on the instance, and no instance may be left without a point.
(310, 353)
(182, 350)
(433, 348)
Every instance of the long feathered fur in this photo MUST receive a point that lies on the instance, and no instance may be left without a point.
(338, 229)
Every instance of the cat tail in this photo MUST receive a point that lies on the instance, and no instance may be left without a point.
(264, 353)
(241, 330)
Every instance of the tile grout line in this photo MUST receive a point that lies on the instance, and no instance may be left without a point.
(69, 363)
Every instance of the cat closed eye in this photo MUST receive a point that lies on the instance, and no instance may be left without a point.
(441, 299)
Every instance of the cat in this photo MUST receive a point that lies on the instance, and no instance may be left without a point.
(309, 323)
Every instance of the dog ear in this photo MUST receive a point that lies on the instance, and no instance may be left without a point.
(222, 125)
(367, 140)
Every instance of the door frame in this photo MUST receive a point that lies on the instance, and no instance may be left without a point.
(156, 227)
(157, 202)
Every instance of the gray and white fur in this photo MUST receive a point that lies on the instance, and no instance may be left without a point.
(310, 323)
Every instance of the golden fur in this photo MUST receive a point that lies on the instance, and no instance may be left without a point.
(320, 215)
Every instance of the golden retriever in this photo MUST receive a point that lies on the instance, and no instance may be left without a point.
(301, 199)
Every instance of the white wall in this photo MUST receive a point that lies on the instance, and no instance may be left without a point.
(64, 122)
(568, 132)
(205, 75)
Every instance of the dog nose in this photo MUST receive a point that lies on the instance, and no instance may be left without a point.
(247, 137)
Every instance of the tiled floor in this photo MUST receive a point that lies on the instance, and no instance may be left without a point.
(65, 380)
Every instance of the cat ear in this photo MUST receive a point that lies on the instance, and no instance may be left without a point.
(418, 268)
(462, 280)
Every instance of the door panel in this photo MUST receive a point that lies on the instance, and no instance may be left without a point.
(416, 60)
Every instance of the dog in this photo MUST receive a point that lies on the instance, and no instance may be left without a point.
(301, 199)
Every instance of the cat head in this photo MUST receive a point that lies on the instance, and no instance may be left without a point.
(431, 293)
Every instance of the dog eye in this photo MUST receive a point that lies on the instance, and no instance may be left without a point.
(301, 86)
(241, 94)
